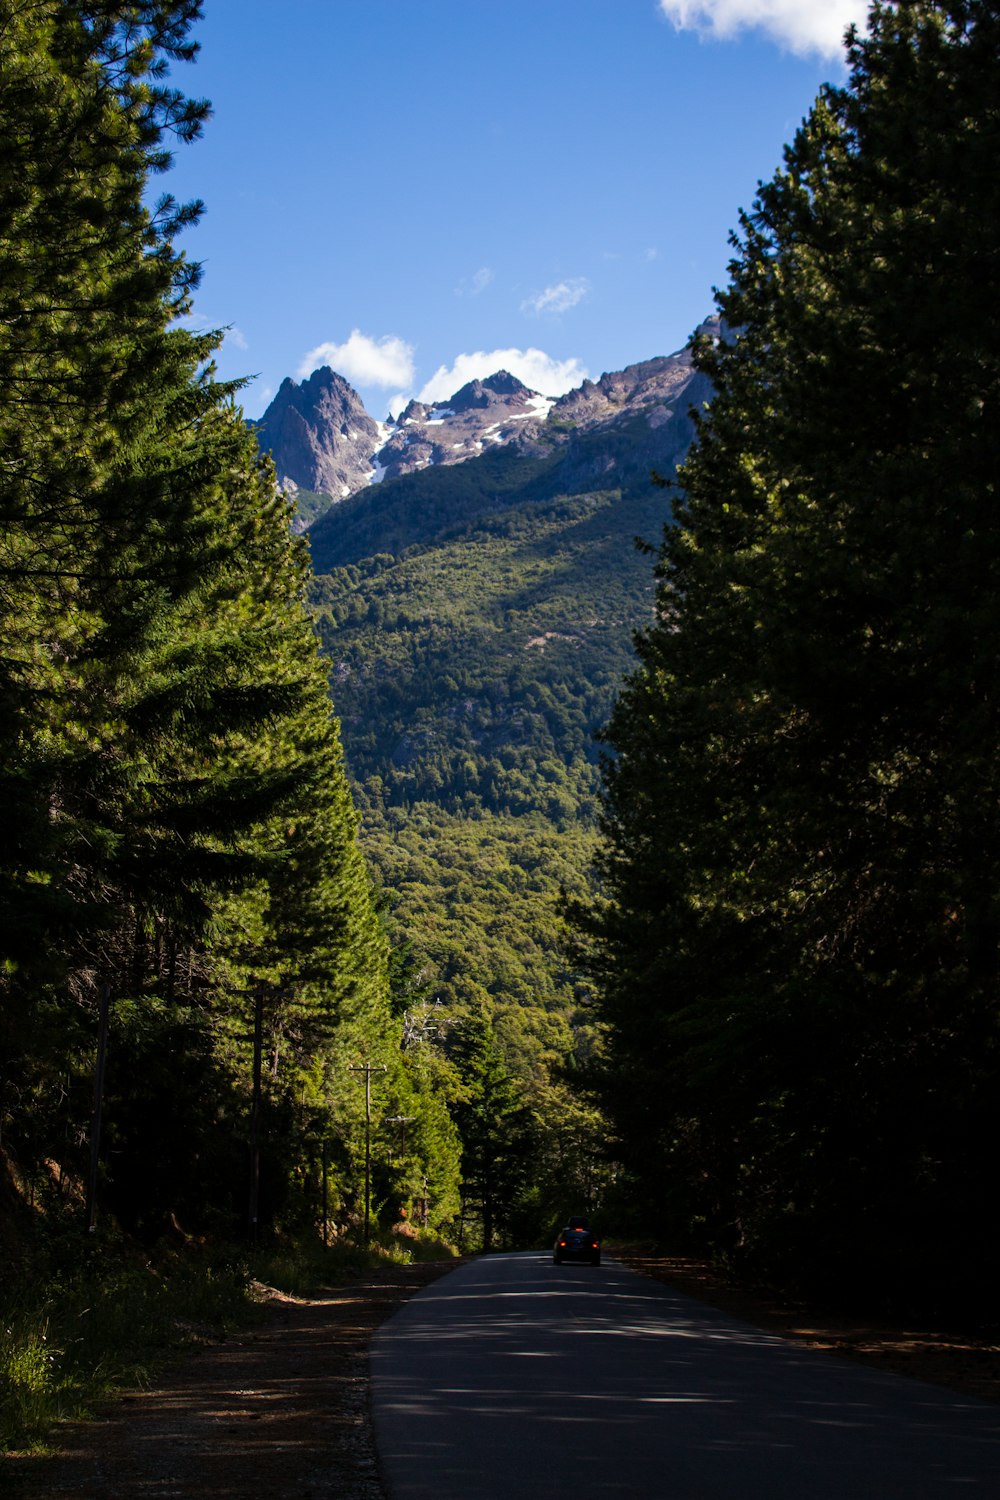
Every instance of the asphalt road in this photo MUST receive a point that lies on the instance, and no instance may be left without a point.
(511, 1377)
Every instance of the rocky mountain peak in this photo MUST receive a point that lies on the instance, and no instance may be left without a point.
(414, 411)
(497, 410)
(652, 387)
(324, 441)
(319, 435)
(480, 393)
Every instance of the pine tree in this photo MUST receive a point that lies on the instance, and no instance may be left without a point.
(87, 279)
(85, 274)
(798, 954)
(182, 828)
(494, 1126)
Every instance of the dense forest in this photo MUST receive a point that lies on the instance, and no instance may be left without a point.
(659, 877)
(796, 947)
(478, 619)
(181, 889)
(473, 669)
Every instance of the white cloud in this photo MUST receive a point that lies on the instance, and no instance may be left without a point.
(471, 286)
(364, 361)
(559, 298)
(236, 337)
(802, 26)
(538, 370)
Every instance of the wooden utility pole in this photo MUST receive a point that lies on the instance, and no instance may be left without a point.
(95, 1128)
(258, 1049)
(368, 1069)
(326, 1193)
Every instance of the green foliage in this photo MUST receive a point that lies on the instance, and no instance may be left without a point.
(481, 896)
(309, 504)
(92, 1320)
(95, 1324)
(474, 670)
(472, 667)
(471, 675)
(310, 1269)
(495, 1127)
(393, 516)
(797, 954)
(181, 828)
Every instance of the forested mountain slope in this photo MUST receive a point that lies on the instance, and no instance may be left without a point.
(478, 619)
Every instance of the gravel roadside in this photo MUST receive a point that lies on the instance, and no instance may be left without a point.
(960, 1358)
(277, 1413)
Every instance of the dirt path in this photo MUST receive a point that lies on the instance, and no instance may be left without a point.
(273, 1414)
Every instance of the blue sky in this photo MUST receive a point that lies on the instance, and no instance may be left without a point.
(420, 191)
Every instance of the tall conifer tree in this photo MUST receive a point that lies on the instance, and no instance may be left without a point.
(181, 824)
(798, 958)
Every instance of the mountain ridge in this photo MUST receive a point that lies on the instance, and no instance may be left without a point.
(479, 619)
(328, 449)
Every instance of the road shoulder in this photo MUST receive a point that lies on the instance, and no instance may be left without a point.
(961, 1360)
(282, 1410)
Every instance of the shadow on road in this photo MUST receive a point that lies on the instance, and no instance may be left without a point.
(512, 1373)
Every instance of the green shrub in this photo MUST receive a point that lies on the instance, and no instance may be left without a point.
(67, 1340)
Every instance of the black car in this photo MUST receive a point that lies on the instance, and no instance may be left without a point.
(577, 1242)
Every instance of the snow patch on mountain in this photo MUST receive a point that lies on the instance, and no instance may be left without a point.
(323, 441)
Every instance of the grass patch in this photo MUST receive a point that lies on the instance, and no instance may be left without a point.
(106, 1324)
(100, 1317)
(301, 1269)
